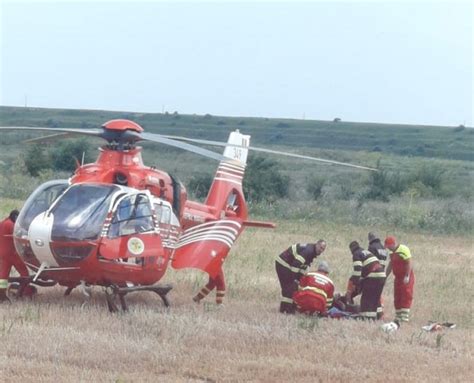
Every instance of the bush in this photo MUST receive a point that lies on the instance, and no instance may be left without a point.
(314, 187)
(36, 160)
(200, 184)
(64, 157)
(263, 180)
(383, 184)
(430, 176)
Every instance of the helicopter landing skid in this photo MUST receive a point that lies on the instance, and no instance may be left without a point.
(112, 292)
(21, 284)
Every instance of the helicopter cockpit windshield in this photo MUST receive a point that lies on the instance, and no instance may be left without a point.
(39, 202)
(80, 213)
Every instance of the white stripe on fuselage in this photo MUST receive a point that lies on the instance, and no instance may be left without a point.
(39, 234)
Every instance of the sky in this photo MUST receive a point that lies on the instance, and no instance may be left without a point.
(403, 62)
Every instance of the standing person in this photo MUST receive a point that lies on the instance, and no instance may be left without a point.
(218, 282)
(404, 277)
(315, 292)
(368, 277)
(377, 249)
(8, 255)
(290, 266)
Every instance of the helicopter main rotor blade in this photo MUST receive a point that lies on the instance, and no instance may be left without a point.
(182, 145)
(88, 132)
(257, 149)
(48, 138)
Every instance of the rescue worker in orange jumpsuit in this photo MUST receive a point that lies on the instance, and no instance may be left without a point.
(404, 277)
(218, 283)
(315, 292)
(368, 277)
(290, 267)
(8, 255)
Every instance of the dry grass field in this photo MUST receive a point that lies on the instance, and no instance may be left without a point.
(58, 339)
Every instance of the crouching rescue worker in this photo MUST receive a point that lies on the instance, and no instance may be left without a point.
(290, 266)
(8, 256)
(218, 283)
(404, 278)
(377, 249)
(315, 292)
(369, 277)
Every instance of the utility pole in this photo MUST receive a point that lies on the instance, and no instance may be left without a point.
(26, 101)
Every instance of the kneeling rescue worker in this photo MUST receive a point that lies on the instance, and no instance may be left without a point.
(315, 292)
(290, 266)
(369, 276)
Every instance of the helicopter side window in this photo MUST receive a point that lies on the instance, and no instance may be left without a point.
(133, 215)
(163, 215)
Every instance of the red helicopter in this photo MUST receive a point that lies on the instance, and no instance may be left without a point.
(117, 223)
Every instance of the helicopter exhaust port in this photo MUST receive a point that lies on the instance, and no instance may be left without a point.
(112, 292)
(120, 179)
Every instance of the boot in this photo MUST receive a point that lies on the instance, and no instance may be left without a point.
(3, 296)
(201, 294)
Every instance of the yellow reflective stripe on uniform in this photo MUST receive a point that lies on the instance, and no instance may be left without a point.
(357, 263)
(329, 303)
(380, 274)
(284, 264)
(300, 258)
(403, 252)
(368, 314)
(357, 273)
(370, 260)
(220, 292)
(3, 283)
(286, 300)
(316, 290)
(320, 276)
(293, 249)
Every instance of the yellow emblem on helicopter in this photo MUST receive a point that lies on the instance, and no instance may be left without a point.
(135, 246)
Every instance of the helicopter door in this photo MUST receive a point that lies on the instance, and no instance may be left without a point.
(132, 233)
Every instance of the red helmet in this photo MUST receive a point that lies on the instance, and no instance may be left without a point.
(390, 242)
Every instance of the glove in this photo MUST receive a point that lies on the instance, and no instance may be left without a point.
(406, 279)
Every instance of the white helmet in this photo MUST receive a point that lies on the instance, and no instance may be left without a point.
(390, 327)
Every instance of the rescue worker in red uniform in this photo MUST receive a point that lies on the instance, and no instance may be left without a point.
(8, 255)
(377, 248)
(404, 278)
(368, 277)
(218, 283)
(290, 267)
(315, 292)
